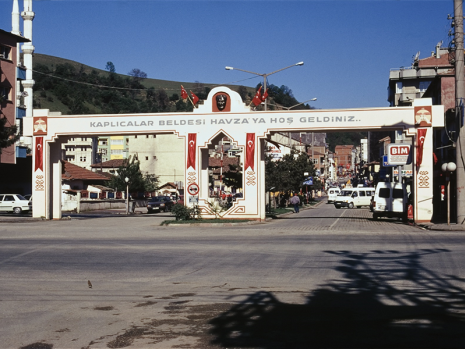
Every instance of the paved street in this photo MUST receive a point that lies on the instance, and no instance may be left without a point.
(323, 278)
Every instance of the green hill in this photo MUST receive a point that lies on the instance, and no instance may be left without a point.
(75, 88)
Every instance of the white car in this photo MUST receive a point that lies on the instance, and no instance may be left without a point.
(14, 203)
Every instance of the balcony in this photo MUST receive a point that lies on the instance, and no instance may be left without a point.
(20, 112)
(21, 152)
(21, 73)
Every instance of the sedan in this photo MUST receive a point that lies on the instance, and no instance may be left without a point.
(159, 204)
(14, 203)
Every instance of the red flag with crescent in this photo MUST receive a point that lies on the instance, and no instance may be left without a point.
(250, 151)
(39, 154)
(183, 92)
(195, 99)
(191, 140)
(258, 97)
(421, 135)
(265, 95)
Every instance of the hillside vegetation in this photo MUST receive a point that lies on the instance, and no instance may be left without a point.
(74, 88)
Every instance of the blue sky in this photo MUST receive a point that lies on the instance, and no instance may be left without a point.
(348, 46)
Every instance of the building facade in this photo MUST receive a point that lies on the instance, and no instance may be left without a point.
(11, 72)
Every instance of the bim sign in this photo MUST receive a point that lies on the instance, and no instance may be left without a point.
(398, 154)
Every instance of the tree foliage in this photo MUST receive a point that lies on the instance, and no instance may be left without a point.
(110, 67)
(287, 175)
(8, 134)
(233, 177)
(137, 182)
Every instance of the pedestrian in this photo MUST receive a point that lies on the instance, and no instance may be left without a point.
(295, 201)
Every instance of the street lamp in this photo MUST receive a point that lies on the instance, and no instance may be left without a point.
(448, 167)
(265, 75)
(127, 194)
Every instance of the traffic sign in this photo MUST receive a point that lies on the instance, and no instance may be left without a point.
(193, 189)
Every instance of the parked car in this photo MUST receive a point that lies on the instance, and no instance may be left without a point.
(354, 197)
(390, 200)
(14, 203)
(159, 204)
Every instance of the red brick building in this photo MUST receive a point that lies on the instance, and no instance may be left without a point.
(10, 72)
(343, 155)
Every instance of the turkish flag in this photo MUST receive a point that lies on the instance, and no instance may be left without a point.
(257, 99)
(421, 135)
(39, 154)
(183, 92)
(250, 151)
(265, 95)
(195, 99)
(192, 141)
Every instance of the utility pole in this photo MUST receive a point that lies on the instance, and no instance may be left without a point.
(459, 101)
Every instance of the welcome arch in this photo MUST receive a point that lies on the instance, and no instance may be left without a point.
(223, 112)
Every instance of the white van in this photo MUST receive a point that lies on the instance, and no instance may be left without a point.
(332, 194)
(354, 197)
(390, 200)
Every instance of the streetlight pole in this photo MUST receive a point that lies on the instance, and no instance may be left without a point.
(127, 194)
(266, 75)
(448, 168)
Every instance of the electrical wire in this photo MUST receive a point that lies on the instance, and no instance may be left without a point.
(127, 88)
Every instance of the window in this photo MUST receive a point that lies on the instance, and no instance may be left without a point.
(117, 141)
(83, 158)
(384, 193)
(5, 92)
(103, 142)
(146, 158)
(84, 139)
(398, 87)
(117, 151)
(362, 193)
(397, 194)
(5, 52)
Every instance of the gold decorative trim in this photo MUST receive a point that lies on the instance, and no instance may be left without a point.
(251, 178)
(40, 183)
(423, 179)
(191, 177)
(238, 210)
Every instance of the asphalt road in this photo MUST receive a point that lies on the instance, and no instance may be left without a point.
(323, 278)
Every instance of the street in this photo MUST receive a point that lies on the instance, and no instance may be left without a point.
(323, 278)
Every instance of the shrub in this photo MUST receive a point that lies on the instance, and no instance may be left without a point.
(181, 212)
(184, 213)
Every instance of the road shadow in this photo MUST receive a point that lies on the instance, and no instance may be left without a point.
(384, 299)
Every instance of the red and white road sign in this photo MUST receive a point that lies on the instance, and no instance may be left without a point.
(193, 189)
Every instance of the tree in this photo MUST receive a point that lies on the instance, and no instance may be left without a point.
(137, 74)
(110, 67)
(233, 177)
(137, 181)
(8, 134)
(242, 90)
(287, 174)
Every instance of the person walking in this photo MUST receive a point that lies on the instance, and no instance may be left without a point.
(296, 202)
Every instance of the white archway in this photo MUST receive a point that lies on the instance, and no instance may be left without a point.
(249, 129)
